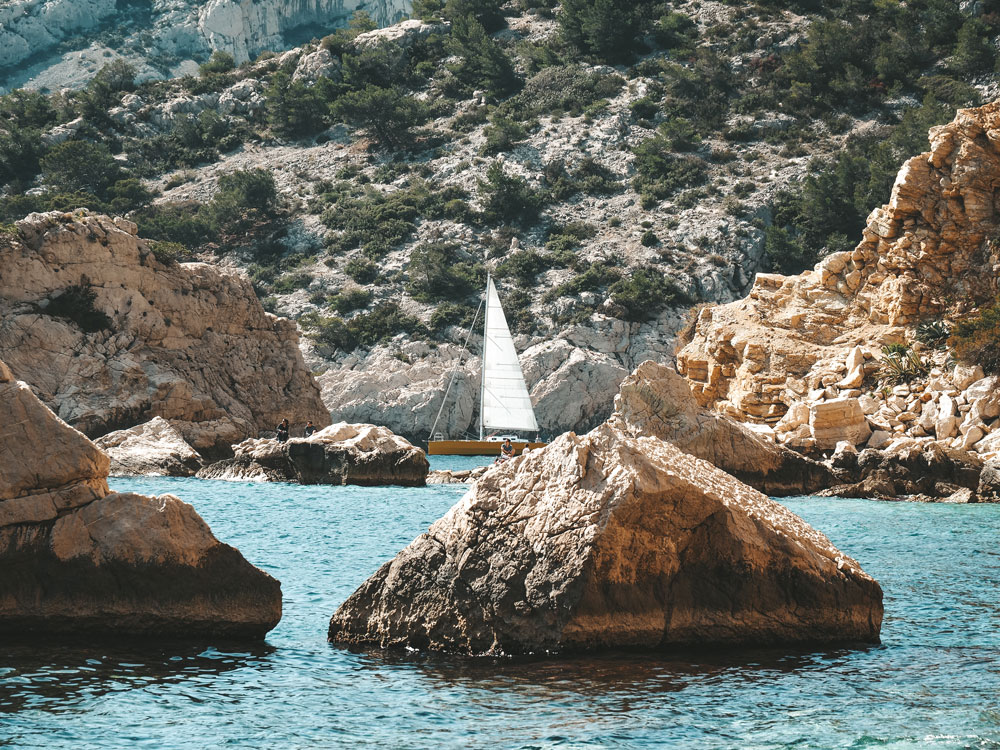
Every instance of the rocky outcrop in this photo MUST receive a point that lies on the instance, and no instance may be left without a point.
(30, 26)
(608, 540)
(343, 453)
(153, 449)
(112, 337)
(461, 476)
(77, 559)
(656, 401)
(796, 342)
(908, 467)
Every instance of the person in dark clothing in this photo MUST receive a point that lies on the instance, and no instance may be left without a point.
(506, 450)
(283, 431)
(310, 428)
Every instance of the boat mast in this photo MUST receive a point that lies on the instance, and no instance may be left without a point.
(482, 367)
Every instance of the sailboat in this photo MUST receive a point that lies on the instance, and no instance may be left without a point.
(504, 403)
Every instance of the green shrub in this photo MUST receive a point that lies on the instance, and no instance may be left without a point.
(245, 198)
(181, 223)
(289, 282)
(507, 198)
(975, 52)
(350, 300)
(361, 270)
(900, 365)
(933, 333)
(976, 339)
(219, 62)
(645, 292)
(387, 114)
(482, 64)
(451, 314)
(439, 271)
(523, 266)
(606, 29)
(295, 109)
(649, 238)
(76, 304)
(340, 41)
(80, 166)
(589, 177)
(169, 252)
(367, 329)
(502, 135)
(568, 88)
(592, 278)
(661, 173)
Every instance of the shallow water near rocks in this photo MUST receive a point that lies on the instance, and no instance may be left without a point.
(933, 683)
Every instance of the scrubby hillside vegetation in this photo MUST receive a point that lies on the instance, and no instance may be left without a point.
(608, 161)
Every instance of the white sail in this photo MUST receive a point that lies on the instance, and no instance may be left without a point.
(505, 401)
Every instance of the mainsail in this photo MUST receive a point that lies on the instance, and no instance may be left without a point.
(505, 401)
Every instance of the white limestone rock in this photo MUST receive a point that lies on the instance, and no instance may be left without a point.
(153, 449)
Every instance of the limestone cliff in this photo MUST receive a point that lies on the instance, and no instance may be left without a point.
(810, 341)
(110, 337)
(78, 559)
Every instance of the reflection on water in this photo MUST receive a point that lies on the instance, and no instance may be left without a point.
(933, 683)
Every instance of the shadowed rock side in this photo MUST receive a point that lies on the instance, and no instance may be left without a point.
(78, 559)
(153, 449)
(604, 541)
(184, 341)
(656, 401)
(796, 340)
(361, 454)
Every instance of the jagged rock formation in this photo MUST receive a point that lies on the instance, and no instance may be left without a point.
(78, 559)
(163, 37)
(462, 476)
(798, 341)
(186, 342)
(656, 401)
(606, 540)
(343, 453)
(153, 449)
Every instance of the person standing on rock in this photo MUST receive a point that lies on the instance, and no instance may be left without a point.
(310, 428)
(283, 431)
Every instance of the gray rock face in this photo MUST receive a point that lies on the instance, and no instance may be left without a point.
(171, 30)
(340, 454)
(153, 449)
(606, 541)
(76, 559)
(655, 400)
(989, 482)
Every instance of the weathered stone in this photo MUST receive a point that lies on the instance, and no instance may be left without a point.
(361, 454)
(842, 419)
(79, 560)
(152, 449)
(655, 400)
(607, 541)
(188, 342)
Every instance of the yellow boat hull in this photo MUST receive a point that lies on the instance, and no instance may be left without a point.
(474, 447)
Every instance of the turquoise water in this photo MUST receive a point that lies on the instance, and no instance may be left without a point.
(933, 683)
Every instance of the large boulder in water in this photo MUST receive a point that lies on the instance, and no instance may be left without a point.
(151, 449)
(78, 559)
(343, 453)
(655, 400)
(605, 541)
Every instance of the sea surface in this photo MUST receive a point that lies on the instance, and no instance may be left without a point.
(933, 683)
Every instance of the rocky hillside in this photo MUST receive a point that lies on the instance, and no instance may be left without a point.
(114, 334)
(52, 44)
(868, 340)
(608, 179)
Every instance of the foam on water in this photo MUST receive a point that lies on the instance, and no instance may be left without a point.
(933, 683)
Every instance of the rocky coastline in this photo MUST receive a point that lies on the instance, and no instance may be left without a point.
(80, 560)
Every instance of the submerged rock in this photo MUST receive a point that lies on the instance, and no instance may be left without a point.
(656, 401)
(78, 559)
(343, 453)
(461, 476)
(153, 449)
(607, 540)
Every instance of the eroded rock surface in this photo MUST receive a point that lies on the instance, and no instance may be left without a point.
(77, 559)
(656, 401)
(187, 342)
(800, 341)
(606, 540)
(153, 449)
(361, 454)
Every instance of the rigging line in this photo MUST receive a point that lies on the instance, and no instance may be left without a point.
(455, 371)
